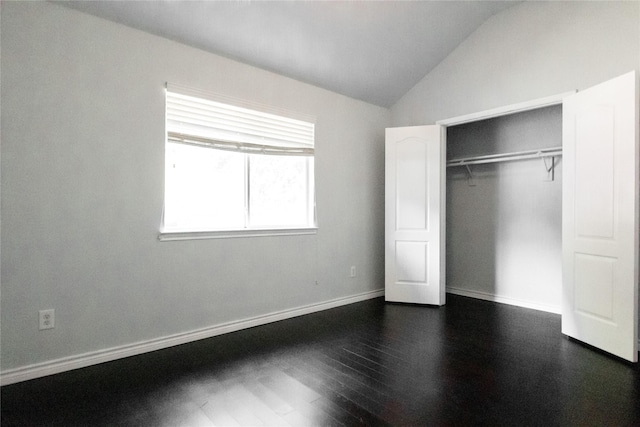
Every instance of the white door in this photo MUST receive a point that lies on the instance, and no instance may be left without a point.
(415, 215)
(600, 217)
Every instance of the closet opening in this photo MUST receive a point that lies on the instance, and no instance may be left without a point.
(504, 209)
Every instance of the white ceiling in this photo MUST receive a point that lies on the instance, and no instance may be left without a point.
(374, 51)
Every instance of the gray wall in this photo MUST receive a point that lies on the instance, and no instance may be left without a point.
(531, 50)
(504, 234)
(82, 192)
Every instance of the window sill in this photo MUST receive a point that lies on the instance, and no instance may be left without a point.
(166, 236)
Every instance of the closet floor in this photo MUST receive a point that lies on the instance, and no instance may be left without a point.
(470, 362)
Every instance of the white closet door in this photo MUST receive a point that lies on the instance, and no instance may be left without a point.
(415, 215)
(600, 217)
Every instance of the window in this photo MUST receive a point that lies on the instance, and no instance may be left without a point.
(233, 168)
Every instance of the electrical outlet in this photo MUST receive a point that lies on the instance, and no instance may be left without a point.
(47, 319)
(352, 273)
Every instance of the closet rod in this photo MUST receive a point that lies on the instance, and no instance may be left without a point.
(505, 157)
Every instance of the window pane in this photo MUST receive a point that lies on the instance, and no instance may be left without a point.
(279, 191)
(204, 188)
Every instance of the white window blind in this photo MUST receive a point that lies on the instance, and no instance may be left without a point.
(199, 121)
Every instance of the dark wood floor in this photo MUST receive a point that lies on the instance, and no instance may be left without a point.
(470, 362)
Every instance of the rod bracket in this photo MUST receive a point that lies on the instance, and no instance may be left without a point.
(471, 182)
(550, 167)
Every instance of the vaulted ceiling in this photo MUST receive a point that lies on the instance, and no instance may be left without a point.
(374, 51)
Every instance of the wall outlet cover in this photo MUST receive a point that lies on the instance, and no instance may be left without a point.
(46, 319)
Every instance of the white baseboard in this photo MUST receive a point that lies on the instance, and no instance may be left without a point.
(504, 300)
(38, 370)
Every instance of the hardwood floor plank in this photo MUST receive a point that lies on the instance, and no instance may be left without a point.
(300, 397)
(249, 402)
(268, 397)
(340, 384)
(236, 408)
(352, 377)
(195, 418)
(341, 399)
(374, 372)
(215, 409)
(287, 386)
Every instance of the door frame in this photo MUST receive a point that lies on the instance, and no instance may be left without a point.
(494, 113)
(506, 110)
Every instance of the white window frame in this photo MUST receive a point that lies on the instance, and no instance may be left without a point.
(194, 124)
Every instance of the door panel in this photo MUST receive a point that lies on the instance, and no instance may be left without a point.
(411, 262)
(600, 217)
(594, 162)
(414, 211)
(411, 184)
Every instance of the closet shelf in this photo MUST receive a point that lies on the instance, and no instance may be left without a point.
(506, 157)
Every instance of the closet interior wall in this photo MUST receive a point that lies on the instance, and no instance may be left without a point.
(504, 235)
